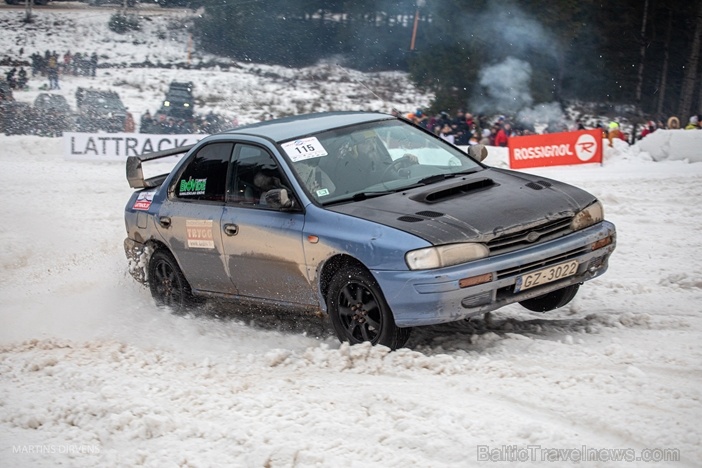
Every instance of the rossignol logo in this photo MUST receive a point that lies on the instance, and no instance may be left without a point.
(548, 151)
(586, 147)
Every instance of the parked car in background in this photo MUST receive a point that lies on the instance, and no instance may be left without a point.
(130, 3)
(363, 216)
(53, 115)
(179, 102)
(18, 118)
(22, 2)
(193, 4)
(99, 110)
(177, 111)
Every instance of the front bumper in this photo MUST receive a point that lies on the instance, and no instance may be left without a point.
(430, 297)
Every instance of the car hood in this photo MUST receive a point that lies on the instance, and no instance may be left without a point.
(478, 207)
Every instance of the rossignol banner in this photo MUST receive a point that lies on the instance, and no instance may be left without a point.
(555, 149)
(117, 146)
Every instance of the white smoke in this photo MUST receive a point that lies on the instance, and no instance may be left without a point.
(505, 87)
(543, 114)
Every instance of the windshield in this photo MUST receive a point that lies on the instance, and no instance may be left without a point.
(371, 159)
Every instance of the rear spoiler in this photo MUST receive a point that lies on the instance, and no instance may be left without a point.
(135, 175)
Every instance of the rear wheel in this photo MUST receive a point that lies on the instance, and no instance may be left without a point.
(359, 312)
(167, 283)
(552, 300)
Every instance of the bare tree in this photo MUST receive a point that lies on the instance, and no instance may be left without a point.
(691, 76)
(642, 40)
(666, 60)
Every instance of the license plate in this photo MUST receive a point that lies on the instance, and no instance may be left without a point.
(547, 275)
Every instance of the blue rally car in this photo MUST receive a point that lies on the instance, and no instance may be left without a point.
(362, 216)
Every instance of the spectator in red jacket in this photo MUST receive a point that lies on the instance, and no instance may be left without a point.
(649, 128)
(503, 135)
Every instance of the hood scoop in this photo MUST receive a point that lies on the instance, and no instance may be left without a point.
(421, 216)
(538, 185)
(451, 191)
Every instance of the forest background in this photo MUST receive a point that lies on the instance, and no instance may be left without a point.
(485, 56)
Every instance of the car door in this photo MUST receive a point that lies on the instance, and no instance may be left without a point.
(262, 245)
(189, 220)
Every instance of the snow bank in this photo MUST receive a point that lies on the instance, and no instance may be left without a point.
(673, 145)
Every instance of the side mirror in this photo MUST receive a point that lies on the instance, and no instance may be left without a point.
(477, 152)
(279, 199)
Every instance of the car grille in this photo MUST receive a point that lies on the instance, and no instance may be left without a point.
(518, 240)
(542, 263)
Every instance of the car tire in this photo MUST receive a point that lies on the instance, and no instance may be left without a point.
(552, 300)
(359, 312)
(168, 285)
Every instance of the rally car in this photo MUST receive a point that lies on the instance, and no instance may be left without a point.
(362, 216)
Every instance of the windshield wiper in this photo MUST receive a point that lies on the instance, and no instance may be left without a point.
(439, 177)
(360, 196)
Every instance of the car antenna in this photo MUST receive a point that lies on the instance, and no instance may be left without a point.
(394, 110)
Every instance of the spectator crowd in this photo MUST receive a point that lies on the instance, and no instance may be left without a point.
(465, 128)
(78, 64)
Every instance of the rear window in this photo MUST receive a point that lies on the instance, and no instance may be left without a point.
(204, 178)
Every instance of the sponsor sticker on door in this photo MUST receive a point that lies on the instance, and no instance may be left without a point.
(199, 233)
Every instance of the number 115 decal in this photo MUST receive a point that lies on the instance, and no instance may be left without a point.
(306, 148)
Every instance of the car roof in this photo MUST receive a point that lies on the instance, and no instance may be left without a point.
(288, 128)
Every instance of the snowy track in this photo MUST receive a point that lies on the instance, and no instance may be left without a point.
(89, 366)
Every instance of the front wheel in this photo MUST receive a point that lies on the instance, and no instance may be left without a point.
(167, 283)
(359, 312)
(552, 300)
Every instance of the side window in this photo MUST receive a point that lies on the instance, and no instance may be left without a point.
(254, 172)
(205, 176)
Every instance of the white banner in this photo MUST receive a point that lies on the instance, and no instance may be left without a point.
(117, 146)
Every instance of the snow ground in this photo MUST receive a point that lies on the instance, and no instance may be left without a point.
(93, 374)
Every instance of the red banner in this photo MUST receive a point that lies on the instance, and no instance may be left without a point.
(556, 149)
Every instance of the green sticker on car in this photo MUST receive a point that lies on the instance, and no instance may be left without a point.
(192, 187)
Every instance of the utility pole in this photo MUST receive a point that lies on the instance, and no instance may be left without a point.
(414, 29)
(420, 3)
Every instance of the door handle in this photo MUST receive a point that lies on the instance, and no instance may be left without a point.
(164, 221)
(231, 229)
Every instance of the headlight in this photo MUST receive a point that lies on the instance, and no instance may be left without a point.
(593, 214)
(444, 256)
(166, 103)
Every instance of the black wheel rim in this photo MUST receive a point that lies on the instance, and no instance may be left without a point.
(167, 285)
(359, 313)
